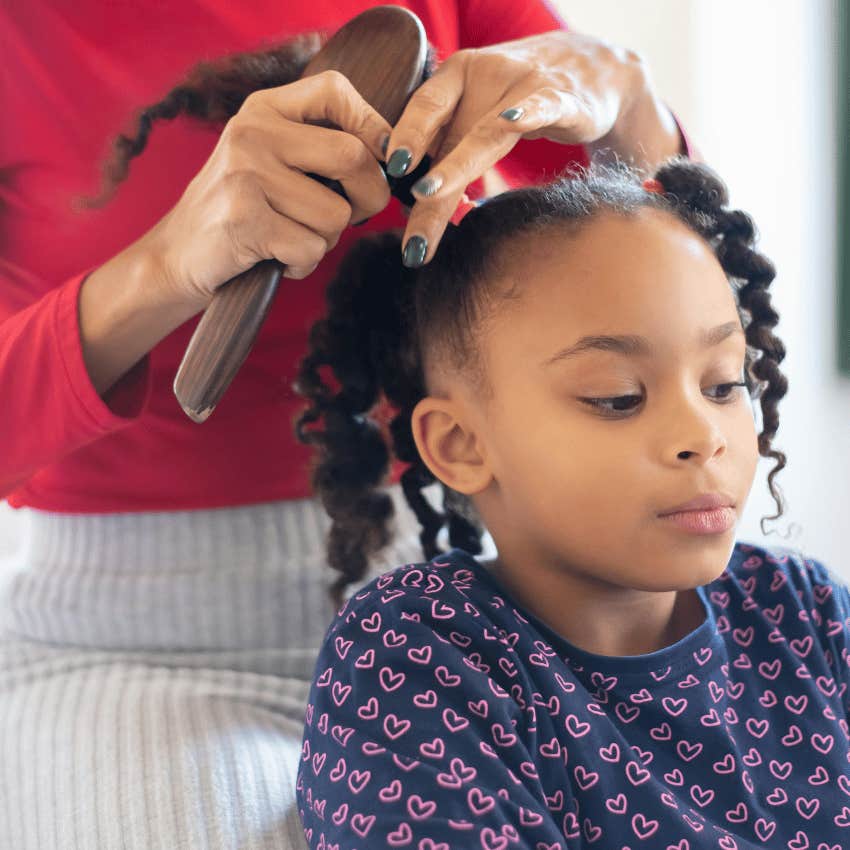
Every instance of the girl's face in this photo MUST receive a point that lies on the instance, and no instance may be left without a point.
(571, 486)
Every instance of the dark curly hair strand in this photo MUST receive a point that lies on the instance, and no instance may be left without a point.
(212, 92)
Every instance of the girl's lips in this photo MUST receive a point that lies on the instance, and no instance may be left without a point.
(714, 521)
(703, 502)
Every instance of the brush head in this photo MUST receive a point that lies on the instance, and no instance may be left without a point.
(384, 53)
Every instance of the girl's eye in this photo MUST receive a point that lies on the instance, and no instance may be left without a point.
(728, 395)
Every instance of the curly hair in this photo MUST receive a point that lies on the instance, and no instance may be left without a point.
(382, 318)
(212, 92)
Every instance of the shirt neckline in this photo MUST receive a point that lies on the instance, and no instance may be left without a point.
(698, 651)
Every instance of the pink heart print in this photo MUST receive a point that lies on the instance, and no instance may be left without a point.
(444, 715)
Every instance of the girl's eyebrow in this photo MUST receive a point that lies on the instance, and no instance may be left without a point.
(632, 345)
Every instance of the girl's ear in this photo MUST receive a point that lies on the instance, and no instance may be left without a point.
(449, 445)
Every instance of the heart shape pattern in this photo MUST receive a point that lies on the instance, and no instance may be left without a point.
(444, 715)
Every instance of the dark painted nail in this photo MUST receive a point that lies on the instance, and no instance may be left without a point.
(513, 114)
(384, 145)
(399, 162)
(427, 185)
(414, 251)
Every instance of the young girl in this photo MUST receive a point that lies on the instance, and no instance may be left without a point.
(575, 366)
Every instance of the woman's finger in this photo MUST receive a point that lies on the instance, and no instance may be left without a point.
(293, 194)
(329, 153)
(496, 134)
(328, 96)
(428, 111)
(439, 191)
(487, 142)
(548, 112)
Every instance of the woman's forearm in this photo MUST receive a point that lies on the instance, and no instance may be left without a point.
(123, 314)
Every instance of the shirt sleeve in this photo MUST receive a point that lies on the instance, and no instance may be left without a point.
(688, 148)
(407, 737)
(50, 406)
(484, 22)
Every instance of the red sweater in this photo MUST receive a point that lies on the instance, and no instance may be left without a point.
(74, 74)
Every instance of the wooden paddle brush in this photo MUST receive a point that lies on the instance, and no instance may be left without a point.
(383, 53)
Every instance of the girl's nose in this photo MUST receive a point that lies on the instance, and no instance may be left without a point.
(695, 431)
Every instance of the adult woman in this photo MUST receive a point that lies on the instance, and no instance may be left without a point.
(170, 593)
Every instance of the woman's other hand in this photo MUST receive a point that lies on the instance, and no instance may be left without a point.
(480, 102)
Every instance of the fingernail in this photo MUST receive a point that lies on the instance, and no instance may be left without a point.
(513, 114)
(384, 144)
(427, 185)
(414, 251)
(363, 221)
(399, 162)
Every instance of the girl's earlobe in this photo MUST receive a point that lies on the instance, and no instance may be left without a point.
(448, 445)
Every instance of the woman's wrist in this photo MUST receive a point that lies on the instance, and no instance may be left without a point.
(123, 313)
(645, 134)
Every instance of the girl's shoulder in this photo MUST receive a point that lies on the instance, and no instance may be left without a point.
(795, 598)
(769, 572)
(438, 623)
(452, 589)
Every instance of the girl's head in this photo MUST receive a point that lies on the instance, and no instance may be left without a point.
(565, 456)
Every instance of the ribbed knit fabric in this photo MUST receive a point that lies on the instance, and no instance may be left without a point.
(154, 673)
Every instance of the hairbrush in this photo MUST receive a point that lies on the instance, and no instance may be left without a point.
(383, 52)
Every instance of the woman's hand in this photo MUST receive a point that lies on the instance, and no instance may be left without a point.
(568, 87)
(252, 199)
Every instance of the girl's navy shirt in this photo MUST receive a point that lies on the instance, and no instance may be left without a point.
(444, 716)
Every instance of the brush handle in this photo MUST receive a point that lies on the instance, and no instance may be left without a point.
(224, 336)
(227, 331)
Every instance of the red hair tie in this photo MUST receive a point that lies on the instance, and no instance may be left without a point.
(653, 185)
(463, 207)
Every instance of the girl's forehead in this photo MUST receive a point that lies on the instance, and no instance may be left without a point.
(648, 237)
(591, 280)
(631, 277)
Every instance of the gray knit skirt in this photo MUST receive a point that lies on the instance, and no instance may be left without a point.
(154, 673)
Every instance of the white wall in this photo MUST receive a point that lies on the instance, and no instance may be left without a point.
(752, 81)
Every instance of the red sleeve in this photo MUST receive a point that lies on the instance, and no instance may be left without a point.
(688, 147)
(493, 21)
(50, 406)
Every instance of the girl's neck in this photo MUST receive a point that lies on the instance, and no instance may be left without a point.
(685, 616)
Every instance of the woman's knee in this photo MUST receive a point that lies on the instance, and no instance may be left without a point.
(135, 757)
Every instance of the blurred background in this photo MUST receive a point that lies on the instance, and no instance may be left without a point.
(756, 84)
